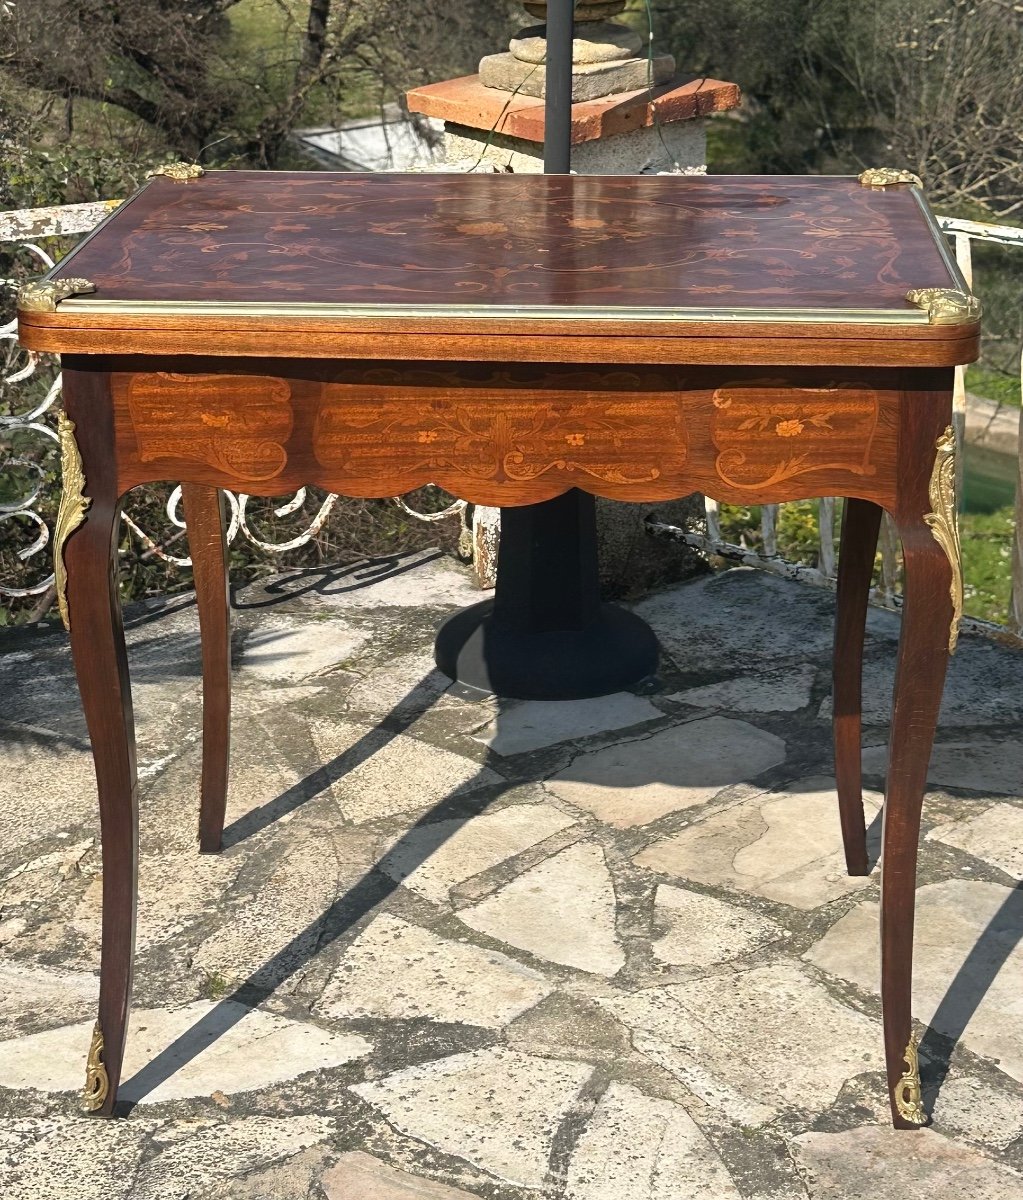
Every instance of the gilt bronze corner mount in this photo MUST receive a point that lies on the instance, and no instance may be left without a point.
(181, 171)
(44, 296)
(881, 177)
(945, 306)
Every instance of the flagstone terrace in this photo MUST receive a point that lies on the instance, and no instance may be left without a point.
(454, 949)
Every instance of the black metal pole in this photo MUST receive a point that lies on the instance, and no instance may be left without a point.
(546, 635)
(557, 129)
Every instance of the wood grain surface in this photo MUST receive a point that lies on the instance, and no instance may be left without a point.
(550, 266)
(861, 522)
(508, 435)
(509, 240)
(507, 341)
(206, 518)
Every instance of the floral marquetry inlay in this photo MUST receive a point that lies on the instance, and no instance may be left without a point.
(500, 242)
(508, 434)
(237, 423)
(764, 434)
(489, 436)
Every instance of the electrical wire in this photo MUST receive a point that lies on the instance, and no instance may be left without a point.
(500, 116)
(650, 87)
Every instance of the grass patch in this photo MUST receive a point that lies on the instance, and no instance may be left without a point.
(266, 43)
(987, 563)
(260, 22)
(995, 385)
(215, 987)
(986, 542)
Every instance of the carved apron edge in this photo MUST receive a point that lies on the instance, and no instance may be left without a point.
(97, 1081)
(908, 1098)
(73, 505)
(944, 524)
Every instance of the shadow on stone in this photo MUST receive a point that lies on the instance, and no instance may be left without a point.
(341, 917)
(331, 580)
(400, 718)
(966, 991)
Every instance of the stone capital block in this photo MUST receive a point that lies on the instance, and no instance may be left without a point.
(590, 80)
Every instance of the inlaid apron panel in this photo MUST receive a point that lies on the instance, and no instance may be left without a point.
(513, 434)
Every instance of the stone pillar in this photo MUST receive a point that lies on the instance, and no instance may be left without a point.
(607, 58)
(620, 126)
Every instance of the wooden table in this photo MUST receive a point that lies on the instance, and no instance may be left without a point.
(511, 337)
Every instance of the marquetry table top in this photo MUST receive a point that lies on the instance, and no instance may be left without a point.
(494, 255)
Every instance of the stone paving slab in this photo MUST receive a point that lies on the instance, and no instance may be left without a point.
(983, 764)
(698, 1030)
(994, 835)
(467, 1104)
(528, 725)
(360, 1175)
(862, 1164)
(376, 784)
(634, 783)
(230, 1038)
(401, 971)
(784, 690)
(285, 650)
(645, 1148)
(968, 963)
(784, 845)
(456, 949)
(701, 930)
(434, 857)
(562, 910)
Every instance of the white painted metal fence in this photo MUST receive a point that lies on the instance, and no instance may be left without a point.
(35, 423)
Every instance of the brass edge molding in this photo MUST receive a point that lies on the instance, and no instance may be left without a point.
(907, 1093)
(44, 296)
(97, 1081)
(944, 524)
(181, 171)
(941, 242)
(305, 309)
(945, 306)
(882, 177)
(73, 504)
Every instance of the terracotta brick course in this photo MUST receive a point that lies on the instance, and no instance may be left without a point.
(467, 102)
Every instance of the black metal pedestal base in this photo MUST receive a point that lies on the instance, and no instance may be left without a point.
(546, 635)
(615, 651)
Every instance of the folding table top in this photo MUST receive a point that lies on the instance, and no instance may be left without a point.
(246, 261)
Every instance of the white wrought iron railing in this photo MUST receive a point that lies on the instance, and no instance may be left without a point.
(23, 231)
(26, 229)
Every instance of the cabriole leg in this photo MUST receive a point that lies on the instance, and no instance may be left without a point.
(86, 554)
(205, 518)
(932, 609)
(861, 521)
